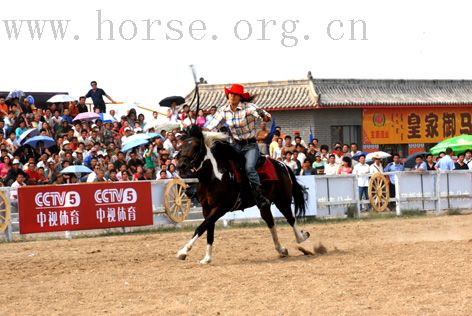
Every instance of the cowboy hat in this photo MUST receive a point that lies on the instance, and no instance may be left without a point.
(239, 90)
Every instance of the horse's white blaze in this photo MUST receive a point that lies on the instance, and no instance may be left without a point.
(212, 159)
(208, 255)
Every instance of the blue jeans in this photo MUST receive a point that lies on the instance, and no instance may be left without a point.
(363, 191)
(251, 154)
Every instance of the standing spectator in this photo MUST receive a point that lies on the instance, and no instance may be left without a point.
(324, 149)
(150, 157)
(420, 165)
(446, 162)
(311, 153)
(97, 95)
(460, 164)
(261, 137)
(295, 159)
(430, 164)
(331, 168)
(277, 154)
(376, 166)
(298, 139)
(362, 171)
(173, 113)
(201, 120)
(288, 145)
(210, 116)
(82, 107)
(468, 158)
(394, 166)
(354, 150)
(346, 167)
(274, 144)
(19, 182)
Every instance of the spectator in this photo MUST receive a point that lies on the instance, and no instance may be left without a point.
(201, 120)
(311, 153)
(277, 154)
(446, 162)
(460, 164)
(298, 139)
(13, 172)
(82, 107)
(3, 107)
(318, 165)
(173, 113)
(162, 175)
(376, 166)
(331, 168)
(346, 167)
(274, 144)
(173, 171)
(468, 159)
(394, 166)
(420, 165)
(97, 95)
(32, 174)
(289, 162)
(210, 116)
(430, 165)
(19, 182)
(261, 137)
(324, 149)
(288, 145)
(100, 176)
(298, 163)
(354, 150)
(362, 171)
(307, 169)
(5, 167)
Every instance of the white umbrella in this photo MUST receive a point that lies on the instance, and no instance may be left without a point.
(30, 132)
(135, 137)
(58, 98)
(167, 126)
(377, 154)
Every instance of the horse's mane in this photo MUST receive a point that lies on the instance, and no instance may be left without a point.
(209, 138)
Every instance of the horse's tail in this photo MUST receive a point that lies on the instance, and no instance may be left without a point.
(299, 194)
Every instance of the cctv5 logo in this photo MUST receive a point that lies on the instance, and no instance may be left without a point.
(123, 196)
(57, 199)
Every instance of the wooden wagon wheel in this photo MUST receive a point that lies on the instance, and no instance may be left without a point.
(4, 212)
(176, 202)
(379, 192)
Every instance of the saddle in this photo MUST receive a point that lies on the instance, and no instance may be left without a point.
(264, 167)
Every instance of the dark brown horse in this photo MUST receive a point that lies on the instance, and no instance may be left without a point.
(207, 156)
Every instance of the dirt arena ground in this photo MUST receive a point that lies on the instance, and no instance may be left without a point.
(418, 266)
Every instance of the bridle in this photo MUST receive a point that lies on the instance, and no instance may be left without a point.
(195, 158)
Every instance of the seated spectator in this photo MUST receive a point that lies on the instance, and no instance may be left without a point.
(5, 167)
(318, 165)
(346, 167)
(307, 169)
(331, 168)
(297, 161)
(162, 175)
(430, 164)
(289, 162)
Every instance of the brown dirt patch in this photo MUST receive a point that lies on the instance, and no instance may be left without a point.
(377, 267)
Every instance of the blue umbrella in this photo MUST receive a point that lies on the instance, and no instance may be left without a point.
(29, 132)
(155, 135)
(135, 143)
(358, 155)
(76, 169)
(15, 94)
(107, 118)
(48, 141)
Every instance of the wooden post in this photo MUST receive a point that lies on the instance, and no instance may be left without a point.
(398, 210)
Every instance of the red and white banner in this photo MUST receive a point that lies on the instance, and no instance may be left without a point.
(84, 206)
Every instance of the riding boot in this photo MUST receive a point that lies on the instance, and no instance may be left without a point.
(261, 200)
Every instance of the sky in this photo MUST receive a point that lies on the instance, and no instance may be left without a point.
(145, 63)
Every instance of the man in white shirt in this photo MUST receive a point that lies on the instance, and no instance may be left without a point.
(331, 168)
(361, 170)
(376, 166)
(289, 162)
(468, 158)
(20, 182)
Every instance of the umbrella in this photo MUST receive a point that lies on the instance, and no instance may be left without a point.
(86, 116)
(167, 102)
(379, 154)
(76, 169)
(458, 144)
(29, 132)
(59, 98)
(167, 126)
(15, 94)
(48, 141)
(359, 154)
(410, 160)
(147, 136)
(107, 118)
(134, 143)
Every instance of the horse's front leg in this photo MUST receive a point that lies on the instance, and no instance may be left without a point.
(209, 250)
(207, 225)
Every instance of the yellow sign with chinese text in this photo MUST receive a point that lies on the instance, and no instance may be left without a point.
(415, 125)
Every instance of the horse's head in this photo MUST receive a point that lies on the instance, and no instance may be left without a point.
(192, 153)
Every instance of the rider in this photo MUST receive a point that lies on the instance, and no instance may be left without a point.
(240, 116)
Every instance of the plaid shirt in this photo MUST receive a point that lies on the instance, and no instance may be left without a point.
(242, 122)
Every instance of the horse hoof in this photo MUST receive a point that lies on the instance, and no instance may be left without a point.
(205, 261)
(181, 256)
(283, 252)
(306, 234)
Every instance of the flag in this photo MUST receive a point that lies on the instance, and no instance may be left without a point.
(271, 132)
(311, 135)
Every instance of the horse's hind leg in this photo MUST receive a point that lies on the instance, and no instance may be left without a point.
(286, 210)
(269, 219)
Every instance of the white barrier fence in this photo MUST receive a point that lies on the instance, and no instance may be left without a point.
(335, 196)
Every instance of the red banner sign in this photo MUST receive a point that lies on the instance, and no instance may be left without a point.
(84, 206)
